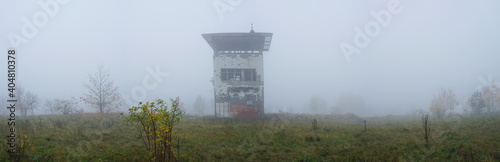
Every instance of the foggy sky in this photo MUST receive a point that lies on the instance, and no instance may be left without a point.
(427, 46)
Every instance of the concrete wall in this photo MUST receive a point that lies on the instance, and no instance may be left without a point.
(242, 92)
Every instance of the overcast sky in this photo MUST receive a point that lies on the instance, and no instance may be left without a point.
(422, 47)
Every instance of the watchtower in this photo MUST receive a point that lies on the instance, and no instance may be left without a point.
(239, 73)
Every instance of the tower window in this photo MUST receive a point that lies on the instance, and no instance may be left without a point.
(238, 74)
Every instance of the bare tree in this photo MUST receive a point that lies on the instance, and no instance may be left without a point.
(491, 97)
(437, 107)
(444, 102)
(102, 94)
(26, 101)
(63, 106)
(49, 106)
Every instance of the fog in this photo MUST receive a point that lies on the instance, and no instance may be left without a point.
(424, 46)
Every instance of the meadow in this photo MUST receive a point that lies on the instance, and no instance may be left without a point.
(278, 137)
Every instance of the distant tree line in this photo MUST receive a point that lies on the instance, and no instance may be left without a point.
(484, 100)
(61, 106)
(101, 94)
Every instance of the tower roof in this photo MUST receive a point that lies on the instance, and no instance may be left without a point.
(239, 41)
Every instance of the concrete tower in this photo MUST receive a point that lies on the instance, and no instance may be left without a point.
(239, 73)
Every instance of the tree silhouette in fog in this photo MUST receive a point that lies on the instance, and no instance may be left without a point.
(102, 94)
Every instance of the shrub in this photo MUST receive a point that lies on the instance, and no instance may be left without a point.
(426, 124)
(155, 122)
(23, 149)
(314, 123)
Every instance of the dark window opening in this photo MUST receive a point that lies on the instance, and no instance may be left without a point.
(238, 74)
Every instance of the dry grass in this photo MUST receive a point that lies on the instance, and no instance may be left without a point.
(281, 137)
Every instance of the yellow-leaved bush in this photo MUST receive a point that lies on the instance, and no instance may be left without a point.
(155, 122)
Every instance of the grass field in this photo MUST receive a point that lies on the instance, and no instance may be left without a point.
(279, 137)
